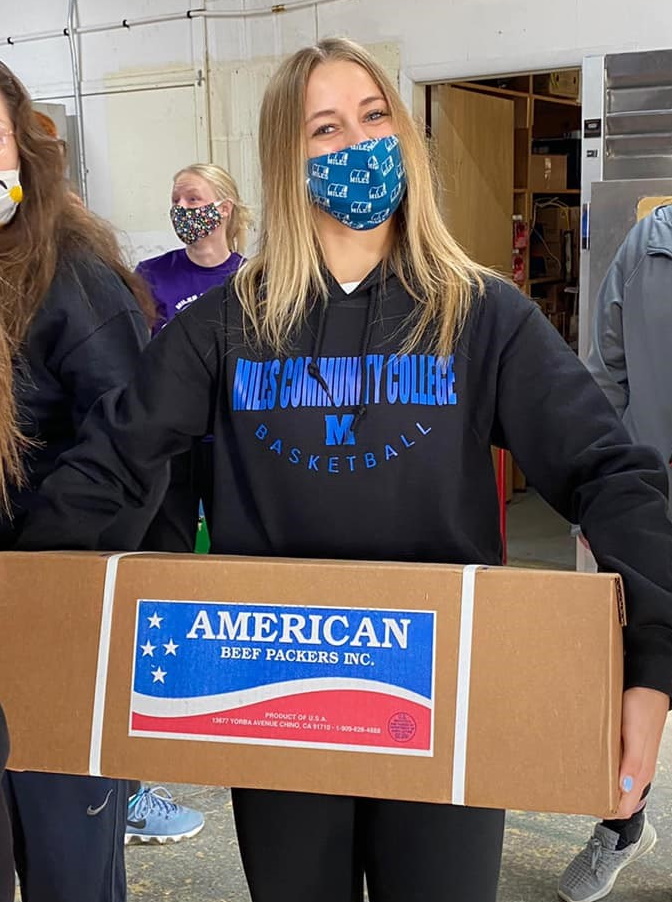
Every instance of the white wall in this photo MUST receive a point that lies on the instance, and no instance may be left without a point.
(471, 37)
(159, 96)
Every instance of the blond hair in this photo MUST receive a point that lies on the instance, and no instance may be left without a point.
(279, 284)
(225, 188)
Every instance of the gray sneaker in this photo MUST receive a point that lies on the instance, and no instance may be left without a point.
(592, 874)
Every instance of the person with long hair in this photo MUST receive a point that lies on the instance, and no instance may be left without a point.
(212, 222)
(73, 321)
(354, 375)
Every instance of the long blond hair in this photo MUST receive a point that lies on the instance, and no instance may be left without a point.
(279, 284)
(225, 188)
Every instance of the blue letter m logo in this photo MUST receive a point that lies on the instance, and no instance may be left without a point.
(339, 429)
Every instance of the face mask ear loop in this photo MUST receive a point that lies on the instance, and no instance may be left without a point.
(224, 200)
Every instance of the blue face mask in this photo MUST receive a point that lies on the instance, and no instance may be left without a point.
(362, 185)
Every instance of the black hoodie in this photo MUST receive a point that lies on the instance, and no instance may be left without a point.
(84, 340)
(311, 460)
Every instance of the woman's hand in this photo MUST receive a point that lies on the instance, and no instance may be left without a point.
(644, 713)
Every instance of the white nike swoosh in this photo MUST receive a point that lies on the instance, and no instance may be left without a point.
(93, 811)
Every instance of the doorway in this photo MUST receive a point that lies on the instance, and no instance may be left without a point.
(508, 156)
(508, 153)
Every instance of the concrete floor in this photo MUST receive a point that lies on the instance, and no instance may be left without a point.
(537, 846)
(537, 536)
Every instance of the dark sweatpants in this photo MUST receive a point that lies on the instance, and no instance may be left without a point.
(298, 847)
(6, 856)
(68, 836)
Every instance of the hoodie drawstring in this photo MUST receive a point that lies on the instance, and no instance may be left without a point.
(313, 368)
(360, 410)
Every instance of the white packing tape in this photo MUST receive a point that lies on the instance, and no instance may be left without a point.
(109, 587)
(463, 683)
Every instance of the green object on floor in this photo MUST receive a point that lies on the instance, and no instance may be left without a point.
(202, 537)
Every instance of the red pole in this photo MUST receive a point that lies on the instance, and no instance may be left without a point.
(501, 492)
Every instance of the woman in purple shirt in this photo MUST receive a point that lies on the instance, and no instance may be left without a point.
(210, 219)
(208, 216)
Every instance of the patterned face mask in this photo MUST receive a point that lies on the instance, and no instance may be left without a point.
(11, 194)
(192, 223)
(362, 185)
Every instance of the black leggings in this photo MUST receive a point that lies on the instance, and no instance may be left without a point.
(6, 854)
(298, 847)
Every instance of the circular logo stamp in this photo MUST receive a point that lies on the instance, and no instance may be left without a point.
(401, 727)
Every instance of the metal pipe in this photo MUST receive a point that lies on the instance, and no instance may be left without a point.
(200, 13)
(273, 10)
(147, 20)
(35, 36)
(124, 89)
(79, 108)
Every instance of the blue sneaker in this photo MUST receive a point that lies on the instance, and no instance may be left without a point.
(153, 817)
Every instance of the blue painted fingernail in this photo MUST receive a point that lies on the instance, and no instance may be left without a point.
(627, 784)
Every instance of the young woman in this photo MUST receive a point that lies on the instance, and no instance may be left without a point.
(210, 219)
(354, 375)
(73, 320)
(212, 222)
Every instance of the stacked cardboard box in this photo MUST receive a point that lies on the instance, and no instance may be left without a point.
(561, 83)
(548, 172)
(555, 243)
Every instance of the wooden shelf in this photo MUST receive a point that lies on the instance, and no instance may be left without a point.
(508, 92)
(564, 191)
(551, 98)
(489, 89)
(513, 111)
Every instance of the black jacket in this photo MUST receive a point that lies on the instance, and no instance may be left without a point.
(84, 340)
(311, 459)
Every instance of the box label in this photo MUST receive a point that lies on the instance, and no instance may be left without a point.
(348, 678)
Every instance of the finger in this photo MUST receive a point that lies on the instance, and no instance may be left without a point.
(631, 795)
(644, 715)
(637, 770)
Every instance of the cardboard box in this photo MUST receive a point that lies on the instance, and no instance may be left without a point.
(562, 83)
(553, 221)
(389, 680)
(548, 172)
(558, 321)
(568, 146)
(546, 261)
(519, 480)
(553, 298)
(556, 237)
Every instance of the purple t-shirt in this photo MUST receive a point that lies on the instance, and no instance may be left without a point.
(176, 281)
